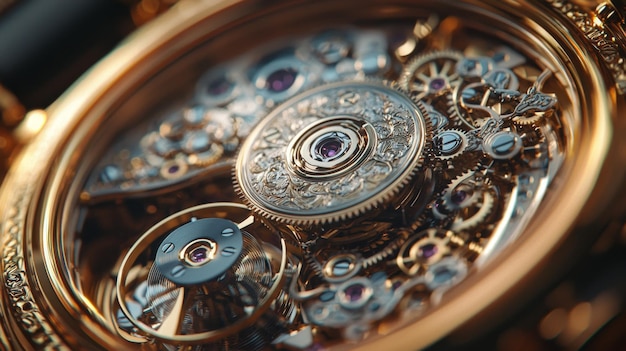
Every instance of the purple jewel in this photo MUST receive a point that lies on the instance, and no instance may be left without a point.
(428, 250)
(199, 255)
(458, 196)
(331, 148)
(281, 80)
(173, 169)
(437, 84)
(354, 292)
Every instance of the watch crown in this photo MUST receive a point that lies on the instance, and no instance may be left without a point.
(611, 11)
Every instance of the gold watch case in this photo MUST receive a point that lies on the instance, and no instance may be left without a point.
(72, 242)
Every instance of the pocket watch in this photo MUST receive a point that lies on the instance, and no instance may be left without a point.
(312, 175)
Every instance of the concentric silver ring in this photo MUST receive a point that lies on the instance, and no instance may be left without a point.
(331, 148)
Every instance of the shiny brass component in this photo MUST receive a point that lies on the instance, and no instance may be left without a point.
(607, 39)
(612, 11)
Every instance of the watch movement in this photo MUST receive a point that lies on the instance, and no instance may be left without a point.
(320, 175)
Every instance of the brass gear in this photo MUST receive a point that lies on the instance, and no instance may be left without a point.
(438, 77)
(462, 191)
(482, 207)
(424, 249)
(530, 119)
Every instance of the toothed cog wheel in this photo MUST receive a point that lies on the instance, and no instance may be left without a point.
(469, 198)
(423, 249)
(432, 74)
(461, 192)
(450, 144)
(332, 152)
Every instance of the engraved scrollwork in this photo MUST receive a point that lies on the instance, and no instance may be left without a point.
(335, 147)
(604, 42)
(19, 294)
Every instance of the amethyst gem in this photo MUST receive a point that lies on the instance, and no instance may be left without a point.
(428, 250)
(281, 80)
(354, 292)
(330, 148)
(437, 84)
(199, 255)
(458, 196)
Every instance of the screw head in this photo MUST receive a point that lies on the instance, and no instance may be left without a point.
(228, 251)
(228, 232)
(167, 247)
(178, 271)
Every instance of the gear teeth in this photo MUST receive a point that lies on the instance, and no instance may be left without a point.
(447, 194)
(454, 111)
(461, 149)
(529, 120)
(386, 252)
(315, 266)
(479, 217)
(481, 198)
(414, 64)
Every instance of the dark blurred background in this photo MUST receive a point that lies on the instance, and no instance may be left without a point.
(45, 45)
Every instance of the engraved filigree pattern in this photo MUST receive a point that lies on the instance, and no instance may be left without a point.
(606, 44)
(18, 291)
(393, 146)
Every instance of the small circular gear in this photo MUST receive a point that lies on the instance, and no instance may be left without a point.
(431, 75)
(462, 192)
(473, 103)
(449, 144)
(332, 153)
(485, 92)
(424, 249)
(467, 201)
(476, 214)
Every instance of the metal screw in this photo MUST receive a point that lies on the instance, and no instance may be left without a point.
(228, 251)
(167, 247)
(178, 271)
(450, 142)
(341, 268)
(228, 232)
